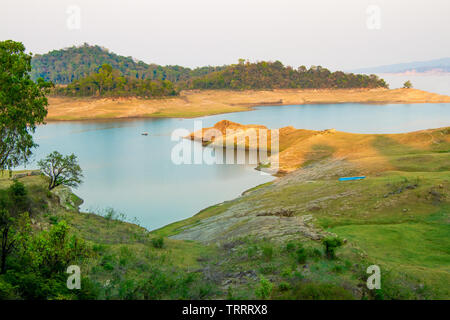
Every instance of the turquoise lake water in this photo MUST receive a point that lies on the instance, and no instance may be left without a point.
(134, 174)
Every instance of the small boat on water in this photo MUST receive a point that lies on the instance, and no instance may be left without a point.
(145, 133)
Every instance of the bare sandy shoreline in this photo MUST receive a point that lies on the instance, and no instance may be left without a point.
(196, 103)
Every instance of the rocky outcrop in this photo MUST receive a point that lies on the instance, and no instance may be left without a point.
(250, 216)
(67, 199)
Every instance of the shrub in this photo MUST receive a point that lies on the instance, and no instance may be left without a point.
(313, 253)
(108, 266)
(99, 248)
(40, 261)
(284, 286)
(251, 251)
(158, 242)
(407, 85)
(267, 252)
(18, 197)
(298, 275)
(331, 244)
(378, 294)
(7, 291)
(264, 289)
(300, 255)
(286, 272)
(267, 268)
(337, 268)
(89, 289)
(290, 246)
(230, 294)
(53, 219)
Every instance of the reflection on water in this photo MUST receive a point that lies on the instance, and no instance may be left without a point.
(135, 175)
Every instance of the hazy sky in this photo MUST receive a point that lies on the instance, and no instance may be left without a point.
(339, 34)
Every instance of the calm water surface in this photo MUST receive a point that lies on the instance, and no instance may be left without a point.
(135, 175)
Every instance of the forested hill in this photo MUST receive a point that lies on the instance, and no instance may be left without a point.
(274, 75)
(109, 82)
(74, 63)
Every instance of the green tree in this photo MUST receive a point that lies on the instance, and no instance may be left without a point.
(12, 204)
(41, 259)
(61, 170)
(108, 82)
(331, 244)
(407, 85)
(22, 104)
(264, 289)
(7, 245)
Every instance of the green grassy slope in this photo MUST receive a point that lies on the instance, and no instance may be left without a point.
(397, 218)
(267, 243)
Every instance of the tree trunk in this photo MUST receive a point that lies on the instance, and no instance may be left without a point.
(51, 184)
(3, 266)
(4, 250)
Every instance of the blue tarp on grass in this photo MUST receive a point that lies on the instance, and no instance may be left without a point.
(351, 178)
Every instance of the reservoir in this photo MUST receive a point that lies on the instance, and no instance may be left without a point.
(134, 173)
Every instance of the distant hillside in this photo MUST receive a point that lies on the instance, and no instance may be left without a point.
(274, 75)
(75, 63)
(66, 65)
(440, 65)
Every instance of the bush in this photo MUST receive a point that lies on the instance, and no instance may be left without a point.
(286, 272)
(53, 219)
(267, 268)
(313, 253)
(290, 246)
(331, 244)
(7, 291)
(158, 242)
(267, 252)
(230, 294)
(264, 289)
(18, 197)
(407, 85)
(300, 255)
(112, 214)
(251, 251)
(284, 286)
(108, 262)
(89, 290)
(298, 275)
(337, 268)
(99, 248)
